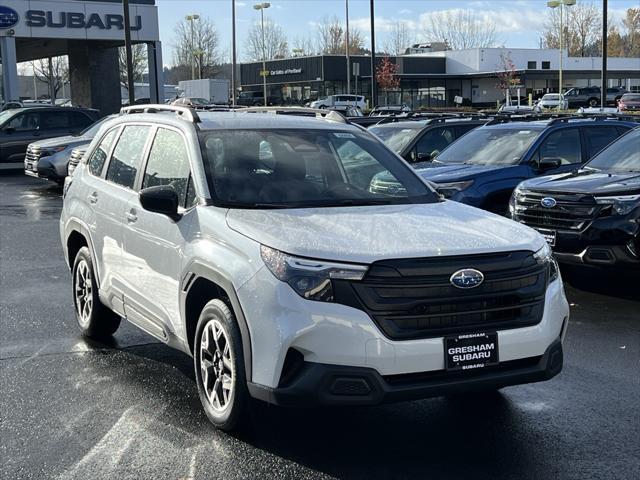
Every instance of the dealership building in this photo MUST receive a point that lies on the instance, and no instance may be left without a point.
(90, 33)
(436, 78)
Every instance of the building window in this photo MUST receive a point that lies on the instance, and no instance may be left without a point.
(546, 65)
(532, 65)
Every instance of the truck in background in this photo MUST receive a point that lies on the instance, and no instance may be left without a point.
(216, 90)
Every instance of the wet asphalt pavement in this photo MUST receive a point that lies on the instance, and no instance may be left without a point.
(71, 409)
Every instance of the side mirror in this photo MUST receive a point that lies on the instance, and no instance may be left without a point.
(9, 130)
(549, 163)
(161, 199)
(424, 157)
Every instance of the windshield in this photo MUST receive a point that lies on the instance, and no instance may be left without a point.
(490, 146)
(304, 168)
(199, 101)
(396, 137)
(622, 155)
(551, 96)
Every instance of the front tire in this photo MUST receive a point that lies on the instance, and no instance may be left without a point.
(94, 319)
(219, 366)
(593, 102)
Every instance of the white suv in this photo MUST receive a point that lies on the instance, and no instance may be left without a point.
(252, 242)
(340, 101)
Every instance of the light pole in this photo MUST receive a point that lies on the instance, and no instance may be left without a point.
(129, 54)
(191, 19)
(262, 7)
(561, 4)
(346, 42)
(373, 54)
(233, 53)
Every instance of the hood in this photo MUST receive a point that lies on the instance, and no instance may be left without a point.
(371, 233)
(588, 182)
(69, 140)
(438, 173)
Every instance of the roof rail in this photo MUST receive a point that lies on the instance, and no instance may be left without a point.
(185, 112)
(325, 114)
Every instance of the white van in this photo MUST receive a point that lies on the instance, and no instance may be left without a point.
(339, 101)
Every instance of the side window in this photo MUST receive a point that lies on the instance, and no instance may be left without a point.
(54, 120)
(563, 144)
(127, 155)
(599, 137)
(435, 140)
(463, 129)
(168, 163)
(25, 122)
(359, 166)
(99, 155)
(79, 120)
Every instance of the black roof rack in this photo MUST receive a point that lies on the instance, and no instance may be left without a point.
(187, 113)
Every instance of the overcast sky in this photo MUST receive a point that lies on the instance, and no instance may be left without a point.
(519, 22)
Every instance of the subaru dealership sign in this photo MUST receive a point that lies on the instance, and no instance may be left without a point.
(88, 20)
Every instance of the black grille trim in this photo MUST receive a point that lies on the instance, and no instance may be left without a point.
(572, 212)
(413, 298)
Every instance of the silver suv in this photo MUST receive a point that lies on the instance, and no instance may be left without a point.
(253, 242)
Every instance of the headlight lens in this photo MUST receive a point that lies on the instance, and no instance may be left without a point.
(448, 190)
(620, 205)
(311, 279)
(512, 201)
(544, 256)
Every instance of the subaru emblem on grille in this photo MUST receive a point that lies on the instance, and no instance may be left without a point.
(548, 202)
(467, 278)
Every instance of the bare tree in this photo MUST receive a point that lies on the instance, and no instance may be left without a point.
(460, 29)
(275, 41)
(303, 46)
(631, 24)
(399, 38)
(53, 72)
(138, 61)
(332, 38)
(198, 41)
(581, 29)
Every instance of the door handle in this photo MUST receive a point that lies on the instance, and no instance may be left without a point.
(93, 198)
(131, 217)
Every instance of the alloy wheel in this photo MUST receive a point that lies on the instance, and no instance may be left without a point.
(84, 292)
(216, 366)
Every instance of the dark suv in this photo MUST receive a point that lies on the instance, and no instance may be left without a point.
(19, 128)
(484, 167)
(590, 216)
(420, 140)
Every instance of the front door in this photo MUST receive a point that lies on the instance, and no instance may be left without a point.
(153, 255)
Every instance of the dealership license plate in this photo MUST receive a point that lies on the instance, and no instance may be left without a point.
(471, 351)
(549, 236)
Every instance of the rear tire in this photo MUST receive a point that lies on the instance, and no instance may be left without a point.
(219, 366)
(94, 319)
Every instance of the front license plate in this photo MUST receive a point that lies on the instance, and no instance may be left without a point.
(470, 351)
(549, 236)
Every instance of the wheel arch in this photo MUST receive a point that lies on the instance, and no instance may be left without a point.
(200, 284)
(76, 236)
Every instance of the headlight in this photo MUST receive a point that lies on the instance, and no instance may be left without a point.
(544, 256)
(512, 201)
(448, 190)
(620, 205)
(311, 279)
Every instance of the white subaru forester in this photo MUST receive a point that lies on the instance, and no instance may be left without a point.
(253, 242)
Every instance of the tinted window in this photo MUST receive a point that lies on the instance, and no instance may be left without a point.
(398, 136)
(546, 65)
(435, 140)
(54, 120)
(563, 144)
(532, 65)
(307, 168)
(79, 120)
(621, 156)
(100, 154)
(462, 129)
(25, 122)
(168, 163)
(127, 155)
(599, 137)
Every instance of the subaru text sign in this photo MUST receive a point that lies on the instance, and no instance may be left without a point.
(79, 20)
(8, 17)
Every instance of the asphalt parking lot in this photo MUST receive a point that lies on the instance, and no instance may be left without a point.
(72, 409)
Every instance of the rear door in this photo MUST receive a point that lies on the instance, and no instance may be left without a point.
(153, 243)
(108, 196)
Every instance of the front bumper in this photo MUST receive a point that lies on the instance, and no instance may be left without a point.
(331, 334)
(328, 385)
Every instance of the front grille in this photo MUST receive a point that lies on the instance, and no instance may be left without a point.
(413, 298)
(572, 212)
(32, 157)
